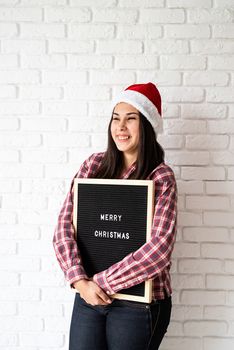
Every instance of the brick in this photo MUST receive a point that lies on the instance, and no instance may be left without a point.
(49, 339)
(57, 294)
(163, 78)
(19, 107)
(231, 173)
(100, 3)
(43, 62)
(206, 78)
(58, 171)
(219, 312)
(19, 294)
(184, 127)
(8, 279)
(141, 3)
(141, 31)
(230, 299)
(7, 92)
(221, 63)
(39, 279)
(200, 173)
(43, 186)
(43, 2)
(171, 110)
(8, 340)
(106, 77)
(206, 234)
(70, 140)
(219, 219)
(212, 46)
(70, 46)
(225, 31)
(190, 3)
(218, 343)
(184, 281)
(8, 61)
(188, 158)
(43, 124)
(195, 266)
(161, 16)
(224, 94)
(184, 62)
(217, 250)
(64, 108)
(91, 31)
(20, 140)
(41, 309)
(64, 77)
(42, 30)
(182, 343)
(221, 127)
(207, 142)
(25, 201)
(8, 30)
(21, 232)
(16, 263)
(66, 14)
(20, 324)
(186, 250)
(23, 46)
(176, 328)
(99, 141)
(45, 156)
(21, 170)
(9, 186)
(204, 110)
(168, 46)
(90, 62)
(20, 14)
(190, 187)
(58, 323)
(210, 16)
(115, 15)
(187, 31)
(174, 142)
(205, 328)
(7, 218)
(186, 312)
(223, 158)
(223, 3)
(182, 94)
(136, 62)
(9, 156)
(39, 92)
(8, 309)
(27, 248)
(203, 297)
(19, 77)
(229, 266)
(189, 219)
(222, 282)
(112, 46)
(223, 187)
(87, 92)
(88, 125)
(207, 202)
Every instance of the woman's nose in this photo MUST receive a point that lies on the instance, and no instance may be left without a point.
(122, 125)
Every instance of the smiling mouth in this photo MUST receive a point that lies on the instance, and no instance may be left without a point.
(123, 138)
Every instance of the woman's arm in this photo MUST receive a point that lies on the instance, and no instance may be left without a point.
(154, 256)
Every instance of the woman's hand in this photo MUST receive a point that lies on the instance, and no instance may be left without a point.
(91, 292)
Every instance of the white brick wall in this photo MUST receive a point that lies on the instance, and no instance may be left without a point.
(61, 62)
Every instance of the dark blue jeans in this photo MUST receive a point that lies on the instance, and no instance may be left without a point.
(123, 325)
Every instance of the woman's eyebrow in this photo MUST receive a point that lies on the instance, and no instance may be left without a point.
(127, 113)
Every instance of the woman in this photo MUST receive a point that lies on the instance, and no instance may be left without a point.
(98, 321)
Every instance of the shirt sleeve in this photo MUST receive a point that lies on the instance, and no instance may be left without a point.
(154, 256)
(65, 246)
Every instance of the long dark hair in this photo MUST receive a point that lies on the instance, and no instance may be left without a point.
(150, 154)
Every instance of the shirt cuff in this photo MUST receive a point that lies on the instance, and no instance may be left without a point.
(75, 273)
(101, 279)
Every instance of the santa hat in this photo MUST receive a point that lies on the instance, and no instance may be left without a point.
(146, 98)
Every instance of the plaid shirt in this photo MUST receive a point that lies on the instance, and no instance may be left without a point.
(151, 261)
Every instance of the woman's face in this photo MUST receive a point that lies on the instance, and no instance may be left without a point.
(125, 129)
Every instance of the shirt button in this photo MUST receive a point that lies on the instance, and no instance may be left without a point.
(108, 292)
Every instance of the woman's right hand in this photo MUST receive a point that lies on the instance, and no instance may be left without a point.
(91, 292)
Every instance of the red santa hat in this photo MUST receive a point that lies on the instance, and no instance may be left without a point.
(147, 100)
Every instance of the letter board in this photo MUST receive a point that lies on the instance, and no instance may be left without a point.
(112, 219)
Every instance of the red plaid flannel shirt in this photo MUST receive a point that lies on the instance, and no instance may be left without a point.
(150, 261)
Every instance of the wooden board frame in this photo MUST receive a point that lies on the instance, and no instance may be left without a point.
(147, 298)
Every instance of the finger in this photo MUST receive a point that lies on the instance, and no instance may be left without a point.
(104, 296)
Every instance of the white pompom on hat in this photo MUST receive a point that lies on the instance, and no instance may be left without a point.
(147, 100)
